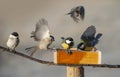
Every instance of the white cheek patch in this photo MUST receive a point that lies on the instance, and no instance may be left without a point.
(11, 36)
(68, 41)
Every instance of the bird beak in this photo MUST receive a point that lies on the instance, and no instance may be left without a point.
(62, 38)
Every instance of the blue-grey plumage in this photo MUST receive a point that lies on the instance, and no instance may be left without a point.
(88, 38)
(96, 40)
(42, 34)
(89, 34)
(77, 13)
(13, 41)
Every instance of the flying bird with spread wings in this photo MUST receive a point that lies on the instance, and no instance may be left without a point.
(77, 13)
(42, 35)
(89, 39)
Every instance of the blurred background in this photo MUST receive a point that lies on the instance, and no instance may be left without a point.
(22, 15)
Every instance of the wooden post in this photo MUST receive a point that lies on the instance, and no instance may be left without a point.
(75, 71)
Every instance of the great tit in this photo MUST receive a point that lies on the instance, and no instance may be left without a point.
(77, 13)
(13, 41)
(89, 40)
(42, 35)
(67, 43)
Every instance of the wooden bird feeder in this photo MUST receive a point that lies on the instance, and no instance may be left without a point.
(77, 57)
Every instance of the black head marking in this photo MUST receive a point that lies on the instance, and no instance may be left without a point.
(15, 34)
(70, 39)
(52, 38)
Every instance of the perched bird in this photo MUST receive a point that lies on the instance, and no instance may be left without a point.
(77, 13)
(13, 41)
(89, 40)
(42, 35)
(67, 43)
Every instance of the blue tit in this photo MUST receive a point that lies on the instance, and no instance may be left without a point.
(77, 13)
(89, 39)
(67, 44)
(13, 41)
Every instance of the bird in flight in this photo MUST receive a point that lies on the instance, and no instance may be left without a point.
(42, 35)
(77, 13)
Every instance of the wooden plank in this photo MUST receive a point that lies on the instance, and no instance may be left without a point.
(77, 57)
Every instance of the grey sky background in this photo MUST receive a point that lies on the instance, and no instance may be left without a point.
(22, 15)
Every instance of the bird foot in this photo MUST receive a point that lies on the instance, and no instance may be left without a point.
(69, 52)
(32, 49)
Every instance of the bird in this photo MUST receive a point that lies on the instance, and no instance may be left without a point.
(13, 41)
(89, 39)
(67, 43)
(77, 13)
(42, 35)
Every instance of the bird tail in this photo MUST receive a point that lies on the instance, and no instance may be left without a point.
(98, 36)
(32, 34)
(68, 13)
(96, 40)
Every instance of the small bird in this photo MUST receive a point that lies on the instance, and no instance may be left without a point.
(42, 35)
(13, 41)
(89, 40)
(77, 13)
(67, 43)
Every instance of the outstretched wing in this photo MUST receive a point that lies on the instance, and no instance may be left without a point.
(41, 31)
(81, 11)
(89, 34)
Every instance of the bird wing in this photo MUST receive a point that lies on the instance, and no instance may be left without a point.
(81, 11)
(74, 17)
(42, 30)
(17, 42)
(77, 11)
(89, 34)
(96, 40)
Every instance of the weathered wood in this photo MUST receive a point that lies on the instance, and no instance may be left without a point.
(81, 69)
(75, 71)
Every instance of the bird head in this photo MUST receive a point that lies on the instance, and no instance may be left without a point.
(52, 38)
(15, 34)
(69, 40)
(62, 38)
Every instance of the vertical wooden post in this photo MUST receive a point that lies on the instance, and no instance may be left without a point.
(75, 71)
